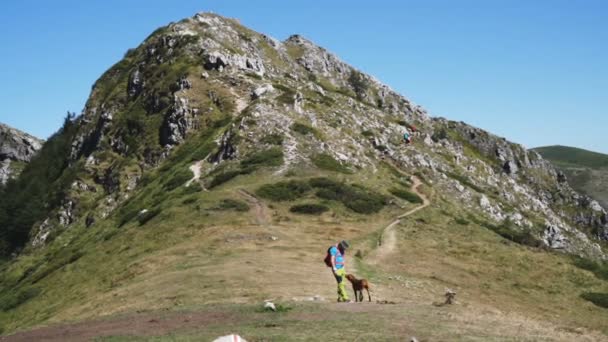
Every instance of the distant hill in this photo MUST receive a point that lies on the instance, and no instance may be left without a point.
(587, 171)
(573, 156)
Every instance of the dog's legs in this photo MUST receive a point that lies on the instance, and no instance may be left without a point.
(368, 295)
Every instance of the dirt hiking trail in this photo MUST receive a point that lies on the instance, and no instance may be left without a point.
(388, 239)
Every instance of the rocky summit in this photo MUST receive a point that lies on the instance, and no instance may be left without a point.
(16, 149)
(212, 154)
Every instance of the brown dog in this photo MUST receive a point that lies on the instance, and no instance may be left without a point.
(358, 286)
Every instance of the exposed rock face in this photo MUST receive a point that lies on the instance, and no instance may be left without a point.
(15, 147)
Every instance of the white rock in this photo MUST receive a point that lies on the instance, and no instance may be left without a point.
(270, 305)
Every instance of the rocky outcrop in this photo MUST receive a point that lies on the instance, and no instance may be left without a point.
(180, 120)
(15, 147)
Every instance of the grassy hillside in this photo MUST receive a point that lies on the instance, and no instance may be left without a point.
(197, 258)
(572, 156)
(587, 171)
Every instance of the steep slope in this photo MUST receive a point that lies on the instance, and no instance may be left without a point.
(587, 171)
(16, 149)
(213, 165)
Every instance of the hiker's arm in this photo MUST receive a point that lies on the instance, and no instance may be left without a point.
(333, 263)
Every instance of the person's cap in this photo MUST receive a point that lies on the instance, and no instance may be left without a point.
(344, 244)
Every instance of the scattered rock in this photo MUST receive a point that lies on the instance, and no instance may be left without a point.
(269, 306)
(258, 92)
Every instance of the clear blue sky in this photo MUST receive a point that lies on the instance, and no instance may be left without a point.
(535, 72)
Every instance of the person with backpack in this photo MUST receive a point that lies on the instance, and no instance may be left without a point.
(335, 260)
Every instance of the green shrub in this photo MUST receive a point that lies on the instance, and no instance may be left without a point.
(192, 189)
(189, 200)
(439, 135)
(270, 157)
(355, 197)
(465, 180)
(326, 162)
(367, 134)
(11, 300)
(401, 122)
(288, 94)
(406, 195)
(461, 221)
(599, 269)
(180, 177)
(381, 148)
(232, 204)
(599, 299)
(272, 139)
(283, 191)
(309, 208)
(223, 178)
(359, 83)
(522, 236)
(142, 218)
(203, 151)
(302, 128)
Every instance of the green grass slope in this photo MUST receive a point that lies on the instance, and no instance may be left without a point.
(572, 156)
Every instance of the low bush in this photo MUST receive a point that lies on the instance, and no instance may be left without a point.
(599, 299)
(178, 178)
(283, 191)
(11, 300)
(189, 200)
(326, 162)
(223, 178)
(146, 216)
(599, 269)
(461, 221)
(192, 189)
(232, 204)
(270, 157)
(406, 195)
(522, 236)
(272, 139)
(355, 197)
(367, 134)
(309, 208)
(465, 181)
(302, 128)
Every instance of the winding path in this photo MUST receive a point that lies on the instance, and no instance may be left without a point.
(261, 212)
(388, 239)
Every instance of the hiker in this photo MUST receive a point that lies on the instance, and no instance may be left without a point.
(407, 137)
(335, 260)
